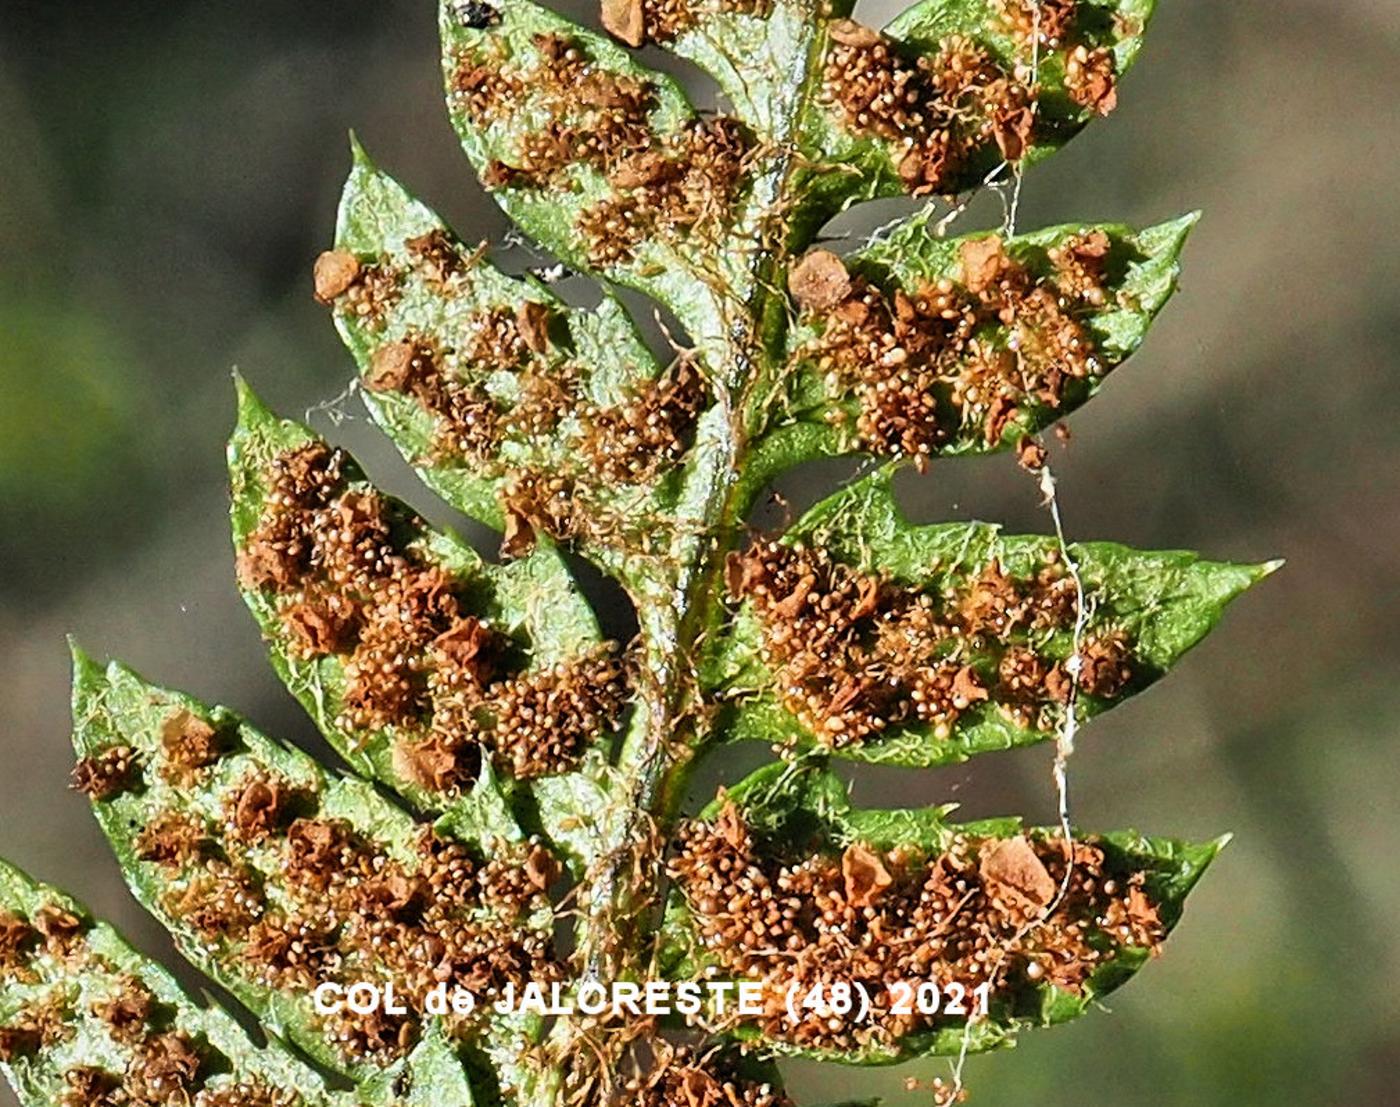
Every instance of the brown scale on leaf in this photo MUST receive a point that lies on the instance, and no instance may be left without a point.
(532, 322)
(1051, 20)
(359, 914)
(468, 420)
(371, 297)
(166, 1070)
(485, 87)
(624, 443)
(299, 482)
(853, 653)
(89, 1086)
(364, 291)
(173, 839)
(545, 399)
(943, 112)
(333, 274)
(60, 928)
(1090, 76)
(189, 746)
(1054, 25)
(449, 867)
(17, 941)
(320, 622)
(221, 900)
(517, 881)
(438, 257)
(346, 911)
(683, 186)
(104, 775)
(1080, 263)
(443, 761)
(536, 502)
(128, 1010)
(1105, 665)
(376, 1034)
(44, 1023)
(1025, 681)
(994, 605)
(321, 851)
(627, 442)
(260, 807)
(470, 424)
(500, 342)
(291, 952)
(416, 662)
(960, 916)
(564, 503)
(545, 720)
(954, 355)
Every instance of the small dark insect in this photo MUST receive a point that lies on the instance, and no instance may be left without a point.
(475, 14)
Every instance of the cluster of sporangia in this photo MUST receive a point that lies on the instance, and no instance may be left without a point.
(164, 1067)
(952, 356)
(972, 914)
(941, 111)
(599, 447)
(415, 659)
(678, 1077)
(303, 898)
(854, 653)
(678, 186)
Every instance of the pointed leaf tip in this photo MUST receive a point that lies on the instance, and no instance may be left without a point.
(81, 658)
(359, 156)
(1146, 610)
(1175, 232)
(86, 669)
(250, 405)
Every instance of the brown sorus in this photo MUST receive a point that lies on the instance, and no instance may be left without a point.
(819, 281)
(625, 20)
(335, 271)
(189, 745)
(779, 916)
(103, 775)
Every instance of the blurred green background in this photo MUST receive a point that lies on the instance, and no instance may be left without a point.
(168, 171)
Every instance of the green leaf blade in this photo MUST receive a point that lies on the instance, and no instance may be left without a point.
(601, 203)
(862, 161)
(271, 874)
(539, 626)
(534, 400)
(1148, 608)
(792, 828)
(973, 392)
(77, 982)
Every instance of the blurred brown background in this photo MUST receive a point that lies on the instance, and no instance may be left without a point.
(169, 170)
